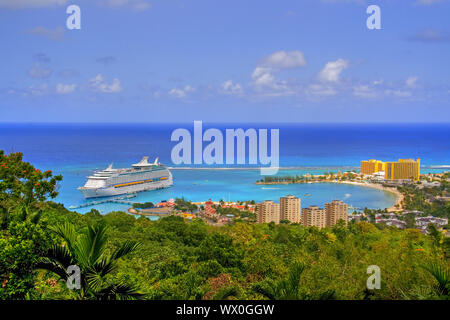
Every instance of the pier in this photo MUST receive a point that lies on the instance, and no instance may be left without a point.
(121, 200)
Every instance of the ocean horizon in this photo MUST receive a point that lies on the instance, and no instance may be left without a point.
(77, 150)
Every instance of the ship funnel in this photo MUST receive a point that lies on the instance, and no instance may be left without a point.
(110, 168)
(142, 163)
(156, 161)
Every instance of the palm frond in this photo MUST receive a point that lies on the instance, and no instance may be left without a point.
(294, 276)
(67, 232)
(104, 267)
(284, 289)
(268, 291)
(91, 246)
(119, 291)
(327, 295)
(441, 275)
(225, 293)
(95, 281)
(126, 248)
(61, 255)
(52, 266)
(89, 253)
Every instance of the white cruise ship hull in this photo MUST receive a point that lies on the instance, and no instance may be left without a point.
(112, 191)
(141, 176)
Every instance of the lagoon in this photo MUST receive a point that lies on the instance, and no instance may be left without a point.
(76, 150)
(235, 185)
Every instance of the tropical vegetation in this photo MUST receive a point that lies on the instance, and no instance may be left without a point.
(121, 256)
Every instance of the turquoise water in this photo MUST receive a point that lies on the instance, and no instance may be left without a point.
(76, 150)
(233, 184)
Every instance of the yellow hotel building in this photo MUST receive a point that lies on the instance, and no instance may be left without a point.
(372, 166)
(393, 170)
(402, 169)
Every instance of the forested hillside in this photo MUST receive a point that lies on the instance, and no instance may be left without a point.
(122, 257)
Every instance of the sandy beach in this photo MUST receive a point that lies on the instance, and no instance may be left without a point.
(397, 193)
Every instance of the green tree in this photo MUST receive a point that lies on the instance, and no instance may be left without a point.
(435, 234)
(288, 288)
(89, 253)
(442, 277)
(23, 187)
(21, 247)
(23, 191)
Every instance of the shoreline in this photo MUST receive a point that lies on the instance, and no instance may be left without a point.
(398, 194)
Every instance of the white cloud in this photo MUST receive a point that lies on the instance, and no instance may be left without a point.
(263, 77)
(317, 89)
(364, 91)
(177, 93)
(412, 82)
(284, 60)
(332, 70)
(39, 71)
(52, 34)
(99, 84)
(65, 88)
(38, 90)
(228, 87)
(181, 93)
(398, 93)
(378, 82)
(328, 83)
(19, 4)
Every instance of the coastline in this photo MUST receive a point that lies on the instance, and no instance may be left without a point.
(397, 206)
(398, 203)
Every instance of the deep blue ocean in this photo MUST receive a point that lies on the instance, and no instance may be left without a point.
(76, 150)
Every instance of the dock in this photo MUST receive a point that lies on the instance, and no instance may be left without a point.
(120, 200)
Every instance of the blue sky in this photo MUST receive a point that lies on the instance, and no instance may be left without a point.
(224, 61)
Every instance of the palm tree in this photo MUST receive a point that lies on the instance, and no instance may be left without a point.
(289, 287)
(226, 293)
(88, 252)
(442, 277)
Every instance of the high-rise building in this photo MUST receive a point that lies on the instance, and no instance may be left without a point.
(268, 211)
(371, 166)
(336, 210)
(314, 216)
(290, 207)
(402, 169)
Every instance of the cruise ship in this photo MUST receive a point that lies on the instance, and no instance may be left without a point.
(141, 176)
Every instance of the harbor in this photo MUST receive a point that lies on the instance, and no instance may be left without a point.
(119, 200)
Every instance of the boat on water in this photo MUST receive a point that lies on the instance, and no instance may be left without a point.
(142, 176)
